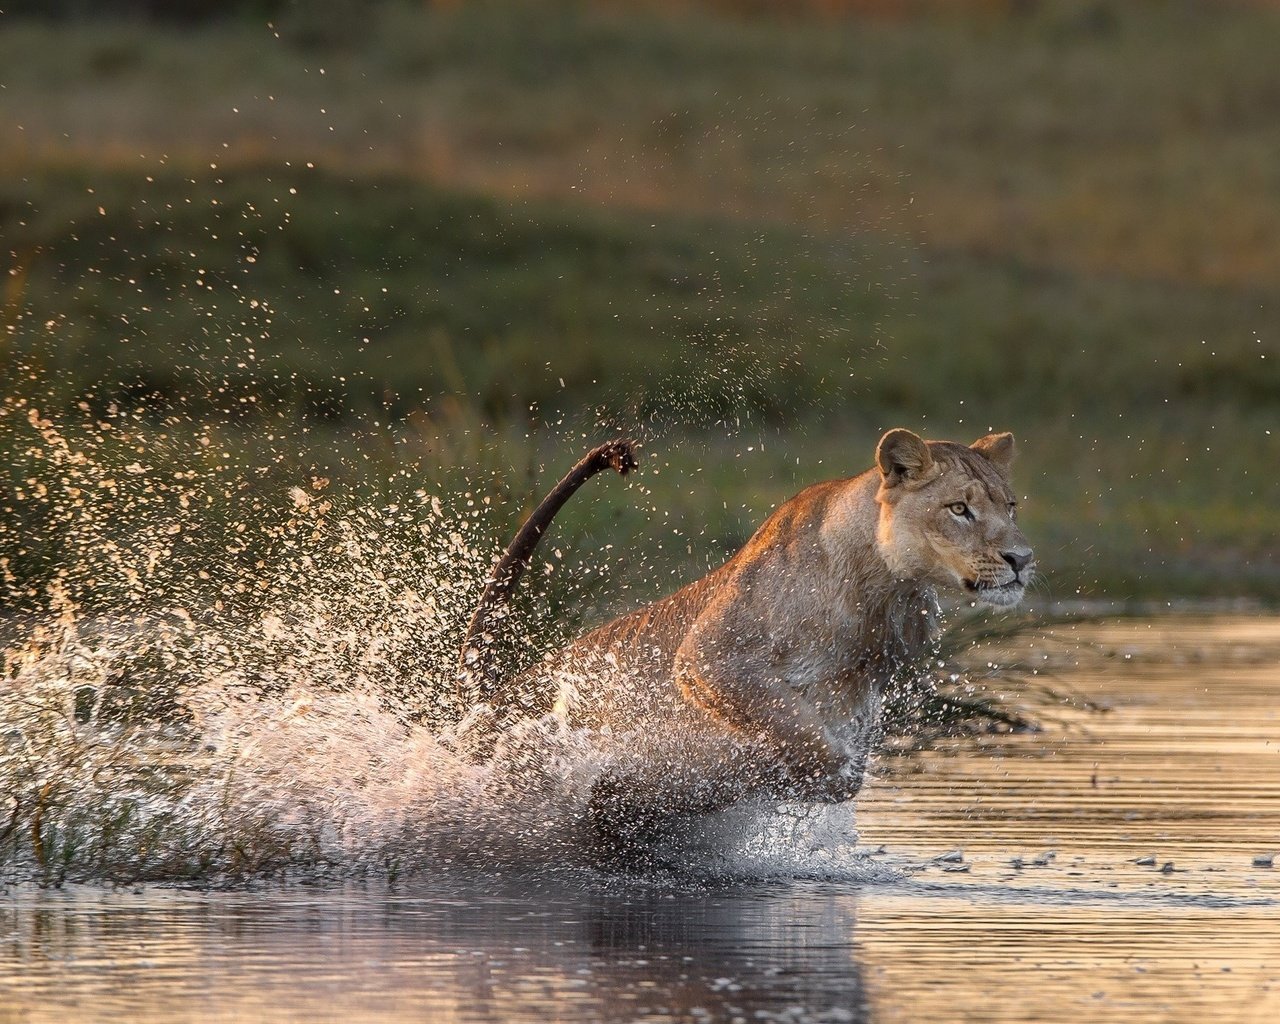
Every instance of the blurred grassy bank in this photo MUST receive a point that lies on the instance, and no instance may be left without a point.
(431, 239)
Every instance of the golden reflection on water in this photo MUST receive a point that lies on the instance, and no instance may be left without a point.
(984, 961)
(1110, 863)
(1105, 873)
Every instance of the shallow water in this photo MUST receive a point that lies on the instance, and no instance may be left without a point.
(1043, 909)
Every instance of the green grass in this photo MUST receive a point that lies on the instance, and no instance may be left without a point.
(388, 292)
(524, 228)
(1130, 138)
(1145, 451)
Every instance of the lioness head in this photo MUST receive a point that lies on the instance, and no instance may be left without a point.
(948, 516)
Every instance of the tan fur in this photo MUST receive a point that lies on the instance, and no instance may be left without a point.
(782, 653)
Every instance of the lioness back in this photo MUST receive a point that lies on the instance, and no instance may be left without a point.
(624, 671)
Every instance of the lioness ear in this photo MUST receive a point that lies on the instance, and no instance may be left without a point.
(901, 455)
(999, 448)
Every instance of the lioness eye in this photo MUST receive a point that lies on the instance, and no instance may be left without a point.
(1013, 510)
(958, 508)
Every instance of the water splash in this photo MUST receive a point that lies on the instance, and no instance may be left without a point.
(274, 694)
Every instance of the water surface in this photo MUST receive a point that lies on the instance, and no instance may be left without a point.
(1102, 870)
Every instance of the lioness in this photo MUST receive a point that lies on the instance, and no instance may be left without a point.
(768, 672)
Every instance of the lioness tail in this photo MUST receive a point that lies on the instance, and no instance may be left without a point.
(477, 676)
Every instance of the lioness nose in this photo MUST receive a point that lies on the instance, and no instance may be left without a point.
(1018, 560)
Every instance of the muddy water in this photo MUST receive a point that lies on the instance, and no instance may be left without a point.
(1100, 871)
